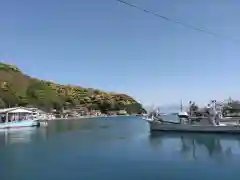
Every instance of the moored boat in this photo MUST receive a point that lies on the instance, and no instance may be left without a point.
(17, 118)
(19, 124)
(200, 128)
(214, 123)
(183, 115)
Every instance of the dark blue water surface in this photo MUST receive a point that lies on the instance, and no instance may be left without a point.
(115, 149)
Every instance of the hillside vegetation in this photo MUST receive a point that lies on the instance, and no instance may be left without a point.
(18, 89)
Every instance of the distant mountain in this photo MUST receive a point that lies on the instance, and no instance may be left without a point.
(166, 108)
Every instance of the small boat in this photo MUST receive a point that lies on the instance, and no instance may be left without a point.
(148, 118)
(18, 124)
(16, 118)
(183, 114)
(155, 114)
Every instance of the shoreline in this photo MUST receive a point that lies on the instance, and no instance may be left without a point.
(84, 117)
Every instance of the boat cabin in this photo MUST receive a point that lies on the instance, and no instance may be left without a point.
(14, 114)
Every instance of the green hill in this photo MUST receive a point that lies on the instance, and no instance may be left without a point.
(18, 89)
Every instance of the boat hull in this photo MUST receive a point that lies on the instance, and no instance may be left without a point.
(32, 123)
(158, 126)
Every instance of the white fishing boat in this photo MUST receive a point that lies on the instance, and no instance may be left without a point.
(148, 118)
(152, 115)
(182, 114)
(16, 118)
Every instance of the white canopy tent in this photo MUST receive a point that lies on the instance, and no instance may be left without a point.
(20, 111)
(15, 113)
(15, 110)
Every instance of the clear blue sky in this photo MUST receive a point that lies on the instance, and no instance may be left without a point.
(110, 46)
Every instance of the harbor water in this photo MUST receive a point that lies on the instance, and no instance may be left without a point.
(115, 148)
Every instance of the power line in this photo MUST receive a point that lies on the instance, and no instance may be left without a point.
(202, 30)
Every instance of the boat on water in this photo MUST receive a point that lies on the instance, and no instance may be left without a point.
(25, 123)
(178, 127)
(214, 123)
(17, 118)
(154, 114)
(182, 114)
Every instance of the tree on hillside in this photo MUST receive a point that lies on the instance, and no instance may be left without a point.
(44, 96)
(2, 103)
(17, 88)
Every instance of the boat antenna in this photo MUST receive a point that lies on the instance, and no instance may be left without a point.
(181, 106)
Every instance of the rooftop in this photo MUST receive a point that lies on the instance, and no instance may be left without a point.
(15, 110)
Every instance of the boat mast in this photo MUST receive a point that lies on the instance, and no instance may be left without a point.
(181, 106)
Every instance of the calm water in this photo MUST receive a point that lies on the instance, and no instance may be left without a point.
(115, 149)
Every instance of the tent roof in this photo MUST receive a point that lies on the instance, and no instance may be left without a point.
(15, 110)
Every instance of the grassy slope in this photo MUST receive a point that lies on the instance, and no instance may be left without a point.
(15, 85)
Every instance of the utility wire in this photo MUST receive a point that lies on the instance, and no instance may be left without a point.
(202, 30)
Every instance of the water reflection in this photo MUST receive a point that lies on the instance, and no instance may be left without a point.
(97, 128)
(60, 126)
(31, 134)
(22, 135)
(198, 146)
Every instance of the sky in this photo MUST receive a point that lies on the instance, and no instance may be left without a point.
(110, 46)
